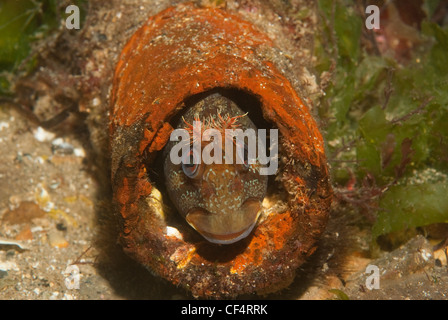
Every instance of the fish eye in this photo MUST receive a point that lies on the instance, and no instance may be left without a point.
(191, 169)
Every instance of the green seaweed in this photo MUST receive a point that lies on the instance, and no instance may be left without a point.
(388, 115)
(25, 25)
(339, 294)
(407, 206)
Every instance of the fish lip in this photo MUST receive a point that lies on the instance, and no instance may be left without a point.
(227, 238)
(230, 238)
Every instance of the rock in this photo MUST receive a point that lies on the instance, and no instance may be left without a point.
(409, 272)
(56, 239)
(26, 212)
(25, 234)
(3, 274)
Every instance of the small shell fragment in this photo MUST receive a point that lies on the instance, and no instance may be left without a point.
(9, 243)
(56, 239)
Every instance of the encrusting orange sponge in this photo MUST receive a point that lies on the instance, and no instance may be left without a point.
(178, 54)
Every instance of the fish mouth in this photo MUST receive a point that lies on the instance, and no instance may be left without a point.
(226, 228)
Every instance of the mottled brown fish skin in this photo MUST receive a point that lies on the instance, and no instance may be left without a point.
(223, 201)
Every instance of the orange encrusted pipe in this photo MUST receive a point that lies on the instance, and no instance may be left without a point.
(175, 60)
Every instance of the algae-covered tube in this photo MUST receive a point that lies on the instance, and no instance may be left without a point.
(216, 233)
